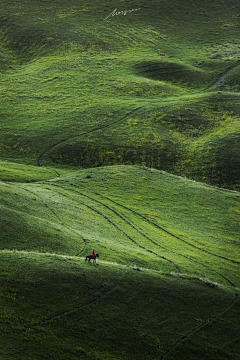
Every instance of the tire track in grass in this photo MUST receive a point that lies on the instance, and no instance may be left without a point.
(133, 211)
(85, 245)
(68, 312)
(156, 225)
(129, 224)
(111, 288)
(200, 327)
(23, 188)
(125, 234)
(93, 301)
(43, 202)
(88, 132)
(105, 292)
(236, 339)
(171, 251)
(53, 212)
(169, 233)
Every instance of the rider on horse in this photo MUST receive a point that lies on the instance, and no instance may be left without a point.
(93, 253)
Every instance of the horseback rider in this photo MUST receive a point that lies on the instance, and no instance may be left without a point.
(93, 253)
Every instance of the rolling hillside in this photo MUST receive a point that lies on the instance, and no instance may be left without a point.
(77, 89)
(167, 277)
(119, 133)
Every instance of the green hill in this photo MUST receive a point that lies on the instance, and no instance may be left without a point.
(154, 217)
(119, 133)
(77, 89)
(58, 307)
(168, 274)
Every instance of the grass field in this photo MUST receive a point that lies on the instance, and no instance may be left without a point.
(167, 278)
(119, 133)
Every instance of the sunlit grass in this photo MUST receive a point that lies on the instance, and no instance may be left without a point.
(92, 111)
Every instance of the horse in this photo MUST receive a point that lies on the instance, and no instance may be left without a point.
(91, 257)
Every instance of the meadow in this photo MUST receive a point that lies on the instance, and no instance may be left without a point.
(117, 134)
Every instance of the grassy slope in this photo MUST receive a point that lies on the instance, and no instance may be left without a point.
(137, 219)
(76, 90)
(167, 216)
(26, 173)
(131, 87)
(57, 307)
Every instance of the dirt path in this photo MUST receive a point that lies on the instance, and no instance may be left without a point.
(88, 132)
(41, 157)
(221, 79)
(200, 327)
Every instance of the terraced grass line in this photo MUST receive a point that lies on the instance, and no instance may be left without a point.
(226, 308)
(90, 131)
(168, 232)
(66, 256)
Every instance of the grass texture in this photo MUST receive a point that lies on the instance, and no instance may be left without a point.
(119, 133)
(83, 91)
(167, 276)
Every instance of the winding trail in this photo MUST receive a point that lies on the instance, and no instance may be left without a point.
(135, 242)
(200, 327)
(88, 132)
(108, 290)
(122, 216)
(104, 292)
(127, 222)
(170, 233)
(108, 125)
(60, 221)
(124, 233)
(221, 78)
